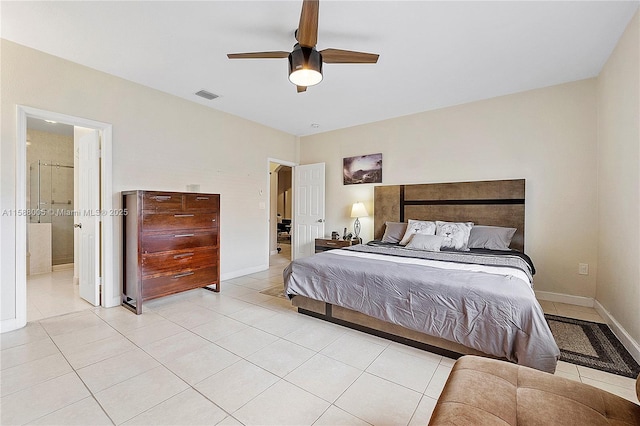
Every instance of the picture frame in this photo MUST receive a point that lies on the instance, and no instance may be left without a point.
(362, 169)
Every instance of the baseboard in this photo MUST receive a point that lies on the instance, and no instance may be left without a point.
(565, 298)
(625, 338)
(242, 272)
(10, 325)
(62, 267)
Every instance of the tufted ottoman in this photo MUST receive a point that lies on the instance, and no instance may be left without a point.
(482, 391)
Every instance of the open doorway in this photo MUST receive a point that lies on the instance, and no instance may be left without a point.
(51, 283)
(35, 186)
(281, 212)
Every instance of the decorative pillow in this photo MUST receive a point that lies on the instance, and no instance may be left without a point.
(394, 231)
(456, 234)
(418, 226)
(491, 237)
(425, 242)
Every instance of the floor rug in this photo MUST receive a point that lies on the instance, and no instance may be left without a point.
(277, 291)
(591, 344)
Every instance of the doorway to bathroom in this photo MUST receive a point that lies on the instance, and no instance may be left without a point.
(66, 234)
(52, 282)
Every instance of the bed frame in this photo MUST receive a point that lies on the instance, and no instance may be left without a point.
(497, 203)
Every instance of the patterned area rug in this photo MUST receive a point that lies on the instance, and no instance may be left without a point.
(277, 291)
(591, 344)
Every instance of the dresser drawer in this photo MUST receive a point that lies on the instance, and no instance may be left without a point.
(178, 261)
(164, 201)
(201, 202)
(169, 221)
(174, 283)
(324, 244)
(152, 242)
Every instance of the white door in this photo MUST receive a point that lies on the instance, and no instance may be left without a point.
(309, 208)
(87, 220)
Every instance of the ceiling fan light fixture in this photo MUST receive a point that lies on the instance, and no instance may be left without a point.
(305, 66)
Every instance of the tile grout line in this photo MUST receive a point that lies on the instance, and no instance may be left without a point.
(189, 386)
(79, 378)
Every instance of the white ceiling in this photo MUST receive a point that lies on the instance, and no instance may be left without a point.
(433, 54)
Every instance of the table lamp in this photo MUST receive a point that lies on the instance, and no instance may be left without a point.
(358, 210)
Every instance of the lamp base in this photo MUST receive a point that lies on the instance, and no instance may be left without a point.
(356, 228)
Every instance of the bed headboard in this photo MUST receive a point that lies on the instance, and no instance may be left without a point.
(494, 202)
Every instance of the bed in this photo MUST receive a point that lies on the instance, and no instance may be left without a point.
(452, 302)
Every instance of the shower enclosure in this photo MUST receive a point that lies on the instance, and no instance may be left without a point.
(51, 201)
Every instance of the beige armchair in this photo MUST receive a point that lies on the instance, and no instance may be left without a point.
(482, 391)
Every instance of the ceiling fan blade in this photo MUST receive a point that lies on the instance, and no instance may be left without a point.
(258, 55)
(307, 33)
(301, 89)
(337, 56)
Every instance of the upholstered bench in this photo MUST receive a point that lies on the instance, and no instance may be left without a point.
(482, 391)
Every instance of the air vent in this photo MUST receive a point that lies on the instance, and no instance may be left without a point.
(207, 95)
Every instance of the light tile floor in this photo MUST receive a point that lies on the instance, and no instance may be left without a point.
(52, 294)
(238, 357)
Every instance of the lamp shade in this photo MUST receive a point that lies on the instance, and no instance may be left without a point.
(358, 210)
(305, 66)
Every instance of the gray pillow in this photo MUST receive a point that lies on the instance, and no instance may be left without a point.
(425, 242)
(491, 237)
(394, 232)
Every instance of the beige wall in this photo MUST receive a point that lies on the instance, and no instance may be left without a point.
(619, 182)
(547, 136)
(159, 142)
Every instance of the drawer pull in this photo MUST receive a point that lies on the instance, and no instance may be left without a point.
(182, 215)
(201, 198)
(183, 235)
(162, 197)
(331, 244)
(179, 256)
(184, 274)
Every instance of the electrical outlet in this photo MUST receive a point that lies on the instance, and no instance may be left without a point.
(583, 268)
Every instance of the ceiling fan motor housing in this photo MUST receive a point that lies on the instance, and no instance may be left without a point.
(305, 66)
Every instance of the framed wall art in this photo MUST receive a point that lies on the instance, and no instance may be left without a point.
(362, 169)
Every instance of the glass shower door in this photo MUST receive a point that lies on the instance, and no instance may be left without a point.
(62, 218)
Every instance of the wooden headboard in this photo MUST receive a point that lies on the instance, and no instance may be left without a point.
(495, 202)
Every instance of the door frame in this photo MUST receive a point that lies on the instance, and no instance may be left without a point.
(282, 163)
(106, 204)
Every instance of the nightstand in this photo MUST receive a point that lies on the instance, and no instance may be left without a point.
(324, 244)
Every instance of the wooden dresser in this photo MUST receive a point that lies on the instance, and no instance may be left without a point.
(171, 243)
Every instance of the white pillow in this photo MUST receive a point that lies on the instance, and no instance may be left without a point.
(456, 234)
(425, 242)
(418, 227)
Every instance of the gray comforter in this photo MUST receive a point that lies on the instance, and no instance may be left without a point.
(494, 313)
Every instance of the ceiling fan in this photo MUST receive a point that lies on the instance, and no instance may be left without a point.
(305, 62)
